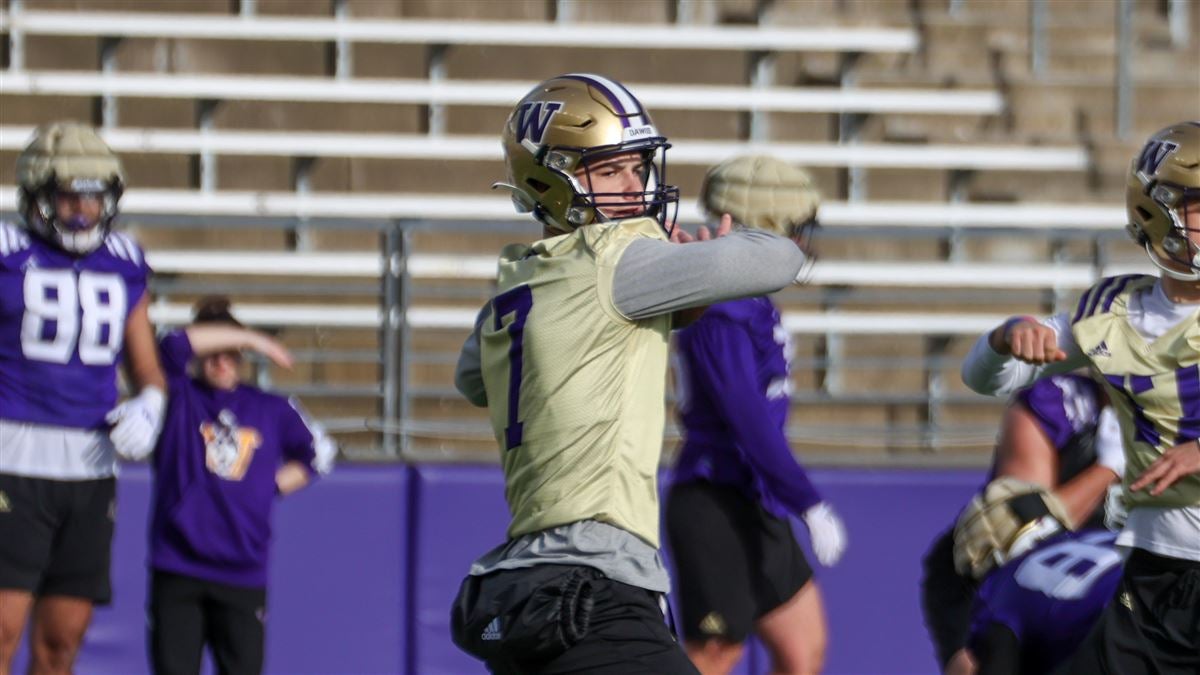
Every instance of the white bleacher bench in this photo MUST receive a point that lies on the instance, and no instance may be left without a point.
(1025, 215)
(368, 264)
(458, 32)
(491, 93)
(486, 148)
(455, 318)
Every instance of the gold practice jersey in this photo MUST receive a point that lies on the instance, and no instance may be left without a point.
(575, 390)
(1153, 385)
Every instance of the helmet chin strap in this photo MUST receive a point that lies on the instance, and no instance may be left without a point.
(1173, 273)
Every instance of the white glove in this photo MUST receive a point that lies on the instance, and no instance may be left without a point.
(1115, 512)
(1110, 444)
(827, 533)
(136, 423)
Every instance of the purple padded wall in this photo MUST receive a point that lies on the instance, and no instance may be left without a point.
(337, 578)
(367, 561)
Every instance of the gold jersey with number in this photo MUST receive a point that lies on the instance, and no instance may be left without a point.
(1154, 385)
(575, 390)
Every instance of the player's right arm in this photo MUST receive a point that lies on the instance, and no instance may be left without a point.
(468, 372)
(1019, 351)
(1025, 451)
(656, 277)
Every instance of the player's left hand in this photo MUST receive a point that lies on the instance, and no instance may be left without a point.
(136, 423)
(827, 532)
(682, 236)
(1179, 461)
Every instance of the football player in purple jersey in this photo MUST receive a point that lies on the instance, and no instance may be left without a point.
(72, 306)
(1058, 434)
(227, 451)
(1039, 592)
(738, 566)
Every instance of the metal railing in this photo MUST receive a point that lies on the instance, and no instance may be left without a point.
(395, 432)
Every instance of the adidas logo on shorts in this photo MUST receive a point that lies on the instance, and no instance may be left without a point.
(1100, 350)
(492, 632)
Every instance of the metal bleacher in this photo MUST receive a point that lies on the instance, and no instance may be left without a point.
(327, 165)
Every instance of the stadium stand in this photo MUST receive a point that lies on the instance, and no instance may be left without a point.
(327, 163)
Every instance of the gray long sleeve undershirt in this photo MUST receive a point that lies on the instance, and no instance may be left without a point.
(657, 277)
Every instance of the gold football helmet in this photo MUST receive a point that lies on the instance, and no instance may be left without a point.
(564, 125)
(1163, 187)
(765, 193)
(1006, 520)
(762, 192)
(68, 157)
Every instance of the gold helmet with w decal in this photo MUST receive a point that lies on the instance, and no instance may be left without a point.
(68, 158)
(566, 124)
(1163, 187)
(1004, 521)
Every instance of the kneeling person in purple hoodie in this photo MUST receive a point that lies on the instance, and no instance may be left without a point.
(227, 451)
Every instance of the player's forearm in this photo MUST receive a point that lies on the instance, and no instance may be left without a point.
(657, 277)
(468, 372)
(990, 370)
(987, 372)
(1083, 493)
(141, 352)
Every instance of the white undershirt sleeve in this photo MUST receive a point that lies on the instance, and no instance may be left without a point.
(992, 374)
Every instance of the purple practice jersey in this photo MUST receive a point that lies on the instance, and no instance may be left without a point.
(1050, 597)
(1067, 409)
(62, 327)
(732, 379)
(214, 471)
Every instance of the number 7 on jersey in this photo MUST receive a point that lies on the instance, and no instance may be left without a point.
(517, 301)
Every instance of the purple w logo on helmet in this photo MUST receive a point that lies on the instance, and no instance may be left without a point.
(1153, 156)
(534, 117)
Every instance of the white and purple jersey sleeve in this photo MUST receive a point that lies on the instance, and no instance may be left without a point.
(1065, 406)
(62, 327)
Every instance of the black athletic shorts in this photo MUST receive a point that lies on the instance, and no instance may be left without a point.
(186, 613)
(946, 599)
(734, 561)
(56, 536)
(1152, 625)
(551, 619)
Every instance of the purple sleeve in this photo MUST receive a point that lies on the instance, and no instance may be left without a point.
(138, 271)
(296, 437)
(175, 351)
(1063, 405)
(724, 364)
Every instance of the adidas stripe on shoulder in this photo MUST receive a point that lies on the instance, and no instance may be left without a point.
(124, 247)
(1099, 298)
(13, 239)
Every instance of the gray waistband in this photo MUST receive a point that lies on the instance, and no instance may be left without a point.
(621, 556)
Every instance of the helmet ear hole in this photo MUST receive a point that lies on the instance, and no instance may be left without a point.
(537, 185)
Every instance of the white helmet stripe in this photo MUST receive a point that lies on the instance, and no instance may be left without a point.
(626, 100)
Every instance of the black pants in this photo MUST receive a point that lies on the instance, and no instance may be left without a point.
(186, 613)
(946, 599)
(1151, 626)
(558, 619)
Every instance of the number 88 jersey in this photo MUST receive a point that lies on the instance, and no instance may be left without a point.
(62, 327)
